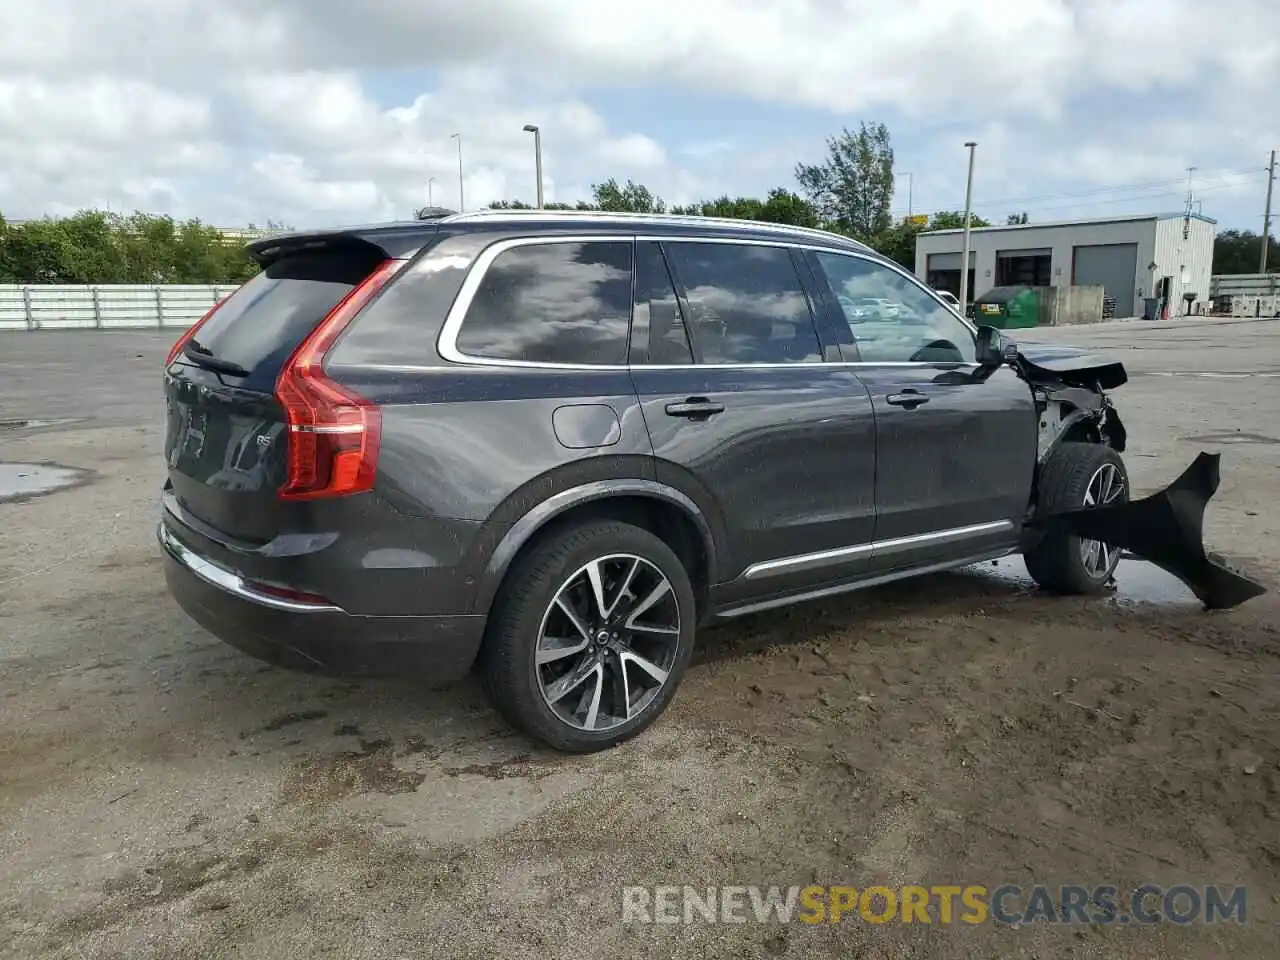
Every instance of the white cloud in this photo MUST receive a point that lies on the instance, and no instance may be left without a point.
(300, 110)
(635, 151)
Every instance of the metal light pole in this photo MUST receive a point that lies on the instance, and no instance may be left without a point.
(1266, 217)
(430, 181)
(964, 257)
(537, 155)
(462, 203)
(910, 185)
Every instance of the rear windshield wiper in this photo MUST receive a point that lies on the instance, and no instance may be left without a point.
(202, 356)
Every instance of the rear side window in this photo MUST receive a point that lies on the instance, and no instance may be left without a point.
(746, 303)
(263, 322)
(554, 302)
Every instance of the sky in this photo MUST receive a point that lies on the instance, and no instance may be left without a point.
(323, 112)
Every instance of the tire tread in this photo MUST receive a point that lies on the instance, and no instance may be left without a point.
(517, 614)
(1055, 561)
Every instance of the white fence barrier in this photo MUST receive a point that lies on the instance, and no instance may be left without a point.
(58, 307)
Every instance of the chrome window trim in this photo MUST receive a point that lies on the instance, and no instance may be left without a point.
(447, 342)
(447, 346)
(820, 558)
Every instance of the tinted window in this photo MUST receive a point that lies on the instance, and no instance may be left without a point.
(402, 324)
(891, 317)
(553, 303)
(658, 309)
(746, 303)
(263, 322)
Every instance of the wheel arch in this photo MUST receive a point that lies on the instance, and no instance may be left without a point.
(663, 510)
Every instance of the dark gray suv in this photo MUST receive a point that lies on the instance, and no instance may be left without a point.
(554, 444)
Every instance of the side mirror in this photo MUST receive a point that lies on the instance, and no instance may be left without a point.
(992, 349)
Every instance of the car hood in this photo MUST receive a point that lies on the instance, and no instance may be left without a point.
(1073, 365)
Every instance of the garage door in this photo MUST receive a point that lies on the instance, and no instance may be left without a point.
(949, 261)
(1110, 265)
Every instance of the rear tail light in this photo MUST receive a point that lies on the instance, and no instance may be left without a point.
(191, 331)
(333, 432)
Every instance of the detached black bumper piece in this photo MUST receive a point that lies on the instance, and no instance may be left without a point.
(1167, 529)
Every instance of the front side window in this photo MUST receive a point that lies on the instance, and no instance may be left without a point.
(891, 318)
(553, 302)
(746, 303)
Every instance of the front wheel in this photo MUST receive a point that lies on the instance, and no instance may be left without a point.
(1077, 475)
(590, 636)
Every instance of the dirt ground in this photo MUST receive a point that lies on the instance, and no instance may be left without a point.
(162, 795)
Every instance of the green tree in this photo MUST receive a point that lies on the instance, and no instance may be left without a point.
(780, 206)
(554, 205)
(954, 220)
(898, 243)
(784, 206)
(1238, 251)
(1017, 219)
(853, 188)
(94, 247)
(630, 198)
(8, 269)
(739, 208)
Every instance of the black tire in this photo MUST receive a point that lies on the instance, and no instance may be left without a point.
(1057, 561)
(510, 673)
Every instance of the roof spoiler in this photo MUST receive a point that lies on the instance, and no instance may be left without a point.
(387, 241)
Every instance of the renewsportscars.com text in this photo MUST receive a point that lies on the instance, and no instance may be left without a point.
(943, 904)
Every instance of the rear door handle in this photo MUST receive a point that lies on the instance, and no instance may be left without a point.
(694, 407)
(908, 398)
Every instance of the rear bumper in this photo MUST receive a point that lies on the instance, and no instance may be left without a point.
(314, 637)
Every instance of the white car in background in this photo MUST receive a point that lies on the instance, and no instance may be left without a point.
(950, 297)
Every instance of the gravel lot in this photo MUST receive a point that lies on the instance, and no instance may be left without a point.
(164, 796)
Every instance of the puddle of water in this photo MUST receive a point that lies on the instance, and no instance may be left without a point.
(36, 424)
(1232, 438)
(23, 480)
(1136, 581)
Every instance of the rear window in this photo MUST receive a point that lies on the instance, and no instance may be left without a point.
(264, 321)
(553, 302)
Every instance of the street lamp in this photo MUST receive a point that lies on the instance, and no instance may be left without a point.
(462, 203)
(964, 257)
(537, 156)
(910, 185)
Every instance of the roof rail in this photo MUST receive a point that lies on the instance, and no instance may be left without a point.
(627, 216)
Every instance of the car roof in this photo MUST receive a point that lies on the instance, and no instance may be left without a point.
(664, 223)
(404, 238)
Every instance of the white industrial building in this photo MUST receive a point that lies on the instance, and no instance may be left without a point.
(1164, 256)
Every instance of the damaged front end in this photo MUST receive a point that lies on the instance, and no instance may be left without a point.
(1070, 393)
(1166, 528)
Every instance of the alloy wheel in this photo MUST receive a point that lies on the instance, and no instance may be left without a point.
(607, 642)
(1105, 487)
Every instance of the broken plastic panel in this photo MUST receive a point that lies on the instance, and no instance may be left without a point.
(1166, 528)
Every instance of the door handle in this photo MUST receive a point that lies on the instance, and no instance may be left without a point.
(908, 398)
(694, 408)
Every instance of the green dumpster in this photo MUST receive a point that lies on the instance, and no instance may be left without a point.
(1008, 308)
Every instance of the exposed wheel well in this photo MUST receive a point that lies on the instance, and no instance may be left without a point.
(1082, 431)
(664, 520)
(1085, 430)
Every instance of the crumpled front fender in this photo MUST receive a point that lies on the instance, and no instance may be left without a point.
(1167, 529)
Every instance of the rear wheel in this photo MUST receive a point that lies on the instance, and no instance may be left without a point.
(1077, 475)
(590, 636)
